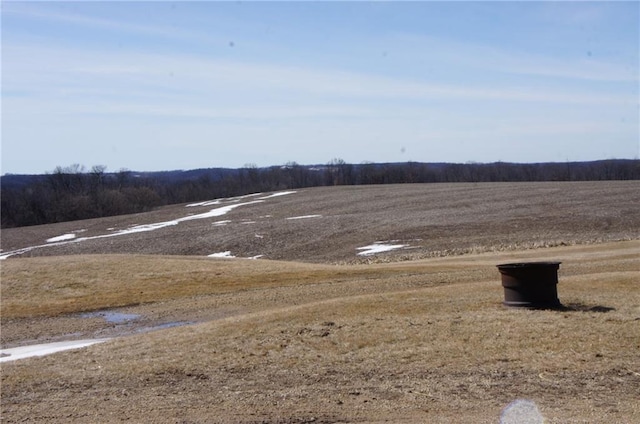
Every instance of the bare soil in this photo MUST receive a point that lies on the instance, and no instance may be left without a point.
(324, 335)
(431, 219)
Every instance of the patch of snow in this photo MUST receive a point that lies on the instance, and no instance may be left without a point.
(219, 201)
(221, 223)
(22, 352)
(305, 217)
(61, 238)
(244, 197)
(248, 222)
(259, 236)
(217, 212)
(206, 203)
(226, 254)
(18, 252)
(378, 247)
(142, 228)
(155, 226)
(282, 193)
(137, 228)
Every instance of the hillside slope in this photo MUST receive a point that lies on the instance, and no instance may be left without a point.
(332, 224)
(237, 341)
(413, 334)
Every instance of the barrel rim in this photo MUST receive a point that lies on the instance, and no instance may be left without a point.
(525, 265)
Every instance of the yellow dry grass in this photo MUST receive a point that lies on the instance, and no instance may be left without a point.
(420, 341)
(51, 286)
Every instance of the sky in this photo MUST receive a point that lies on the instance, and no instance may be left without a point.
(168, 85)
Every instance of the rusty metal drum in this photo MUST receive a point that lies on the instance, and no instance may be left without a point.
(530, 284)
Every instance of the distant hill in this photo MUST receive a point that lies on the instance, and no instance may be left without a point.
(68, 194)
(611, 169)
(355, 223)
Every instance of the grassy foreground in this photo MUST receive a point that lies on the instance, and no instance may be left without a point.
(280, 342)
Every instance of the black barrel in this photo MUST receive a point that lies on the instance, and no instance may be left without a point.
(531, 284)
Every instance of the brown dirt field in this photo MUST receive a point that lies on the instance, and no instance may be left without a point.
(431, 219)
(404, 336)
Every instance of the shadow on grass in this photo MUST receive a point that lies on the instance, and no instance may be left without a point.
(581, 307)
(570, 307)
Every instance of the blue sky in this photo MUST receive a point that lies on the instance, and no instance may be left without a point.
(152, 86)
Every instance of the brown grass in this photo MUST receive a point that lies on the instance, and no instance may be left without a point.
(423, 340)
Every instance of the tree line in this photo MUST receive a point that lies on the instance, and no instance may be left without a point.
(73, 192)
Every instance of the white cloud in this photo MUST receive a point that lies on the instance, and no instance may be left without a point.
(194, 87)
(48, 15)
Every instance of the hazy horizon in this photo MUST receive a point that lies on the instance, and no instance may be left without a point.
(88, 169)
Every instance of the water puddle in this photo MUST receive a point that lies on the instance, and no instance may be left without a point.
(43, 349)
(126, 324)
(112, 317)
(164, 326)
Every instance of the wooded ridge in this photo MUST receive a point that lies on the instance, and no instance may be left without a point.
(73, 193)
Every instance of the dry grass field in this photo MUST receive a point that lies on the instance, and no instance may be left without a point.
(320, 334)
